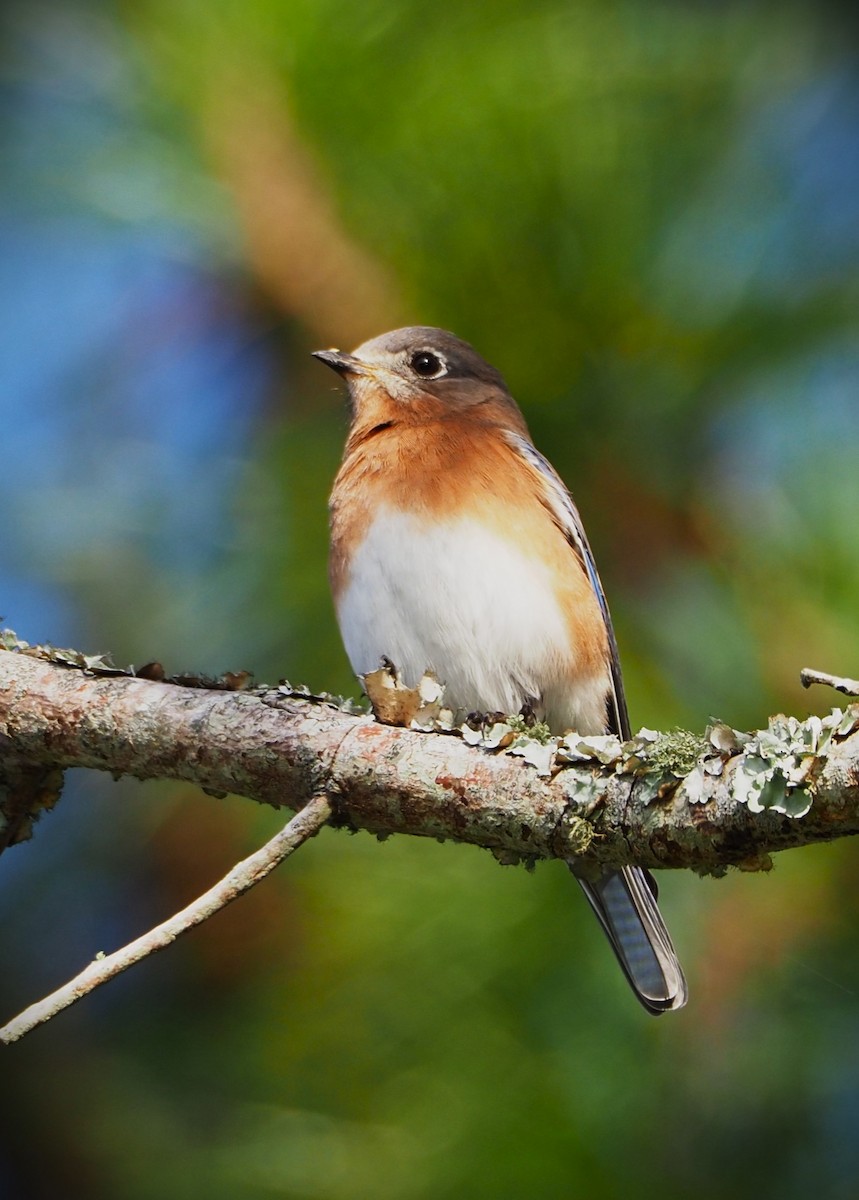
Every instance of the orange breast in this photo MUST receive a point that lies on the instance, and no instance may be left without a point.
(465, 466)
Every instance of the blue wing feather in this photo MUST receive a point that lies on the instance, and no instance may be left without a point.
(625, 900)
(560, 503)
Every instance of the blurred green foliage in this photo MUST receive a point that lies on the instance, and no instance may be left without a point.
(645, 214)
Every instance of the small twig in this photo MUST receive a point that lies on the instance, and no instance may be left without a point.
(240, 879)
(808, 676)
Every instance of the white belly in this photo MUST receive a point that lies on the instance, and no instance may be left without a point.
(461, 601)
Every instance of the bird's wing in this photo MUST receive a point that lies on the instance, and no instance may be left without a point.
(560, 503)
(624, 901)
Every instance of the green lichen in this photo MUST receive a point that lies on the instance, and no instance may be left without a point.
(537, 731)
(579, 834)
(675, 752)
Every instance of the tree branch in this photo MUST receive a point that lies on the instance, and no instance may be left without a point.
(658, 800)
(731, 801)
(242, 877)
(808, 676)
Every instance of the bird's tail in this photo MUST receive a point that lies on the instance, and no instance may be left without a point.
(625, 903)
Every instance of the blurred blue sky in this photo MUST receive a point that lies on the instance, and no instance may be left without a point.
(779, 208)
(133, 372)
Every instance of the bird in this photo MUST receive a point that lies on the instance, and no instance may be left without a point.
(456, 548)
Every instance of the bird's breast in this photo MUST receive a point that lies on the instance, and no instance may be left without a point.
(483, 611)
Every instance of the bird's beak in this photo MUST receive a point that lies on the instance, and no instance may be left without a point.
(343, 364)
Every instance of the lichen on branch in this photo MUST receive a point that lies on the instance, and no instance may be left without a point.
(660, 800)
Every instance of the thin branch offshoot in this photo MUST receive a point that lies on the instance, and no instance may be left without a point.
(240, 879)
(848, 687)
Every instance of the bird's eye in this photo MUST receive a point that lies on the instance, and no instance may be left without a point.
(427, 365)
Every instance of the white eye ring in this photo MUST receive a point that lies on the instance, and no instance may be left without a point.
(428, 364)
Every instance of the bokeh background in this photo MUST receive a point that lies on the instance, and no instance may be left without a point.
(646, 213)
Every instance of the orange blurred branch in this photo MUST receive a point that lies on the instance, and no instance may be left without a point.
(296, 242)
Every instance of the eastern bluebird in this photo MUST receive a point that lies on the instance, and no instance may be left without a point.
(456, 547)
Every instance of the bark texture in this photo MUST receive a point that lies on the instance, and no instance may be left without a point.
(281, 749)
